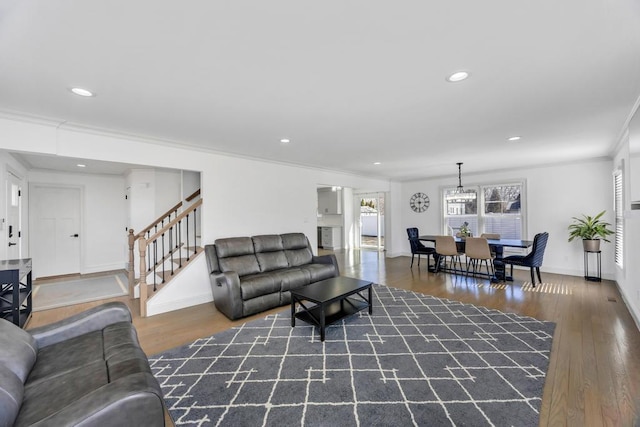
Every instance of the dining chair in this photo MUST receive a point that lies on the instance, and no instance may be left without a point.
(446, 248)
(477, 251)
(417, 248)
(533, 259)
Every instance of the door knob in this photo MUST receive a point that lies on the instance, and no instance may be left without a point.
(12, 244)
(74, 235)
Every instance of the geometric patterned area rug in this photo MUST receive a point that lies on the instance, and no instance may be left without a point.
(418, 360)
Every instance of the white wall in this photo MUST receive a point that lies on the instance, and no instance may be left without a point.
(554, 194)
(628, 276)
(103, 236)
(190, 183)
(242, 197)
(168, 190)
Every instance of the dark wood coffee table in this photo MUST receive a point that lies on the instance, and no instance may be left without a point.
(333, 300)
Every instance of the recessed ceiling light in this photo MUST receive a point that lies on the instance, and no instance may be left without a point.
(377, 163)
(285, 140)
(80, 165)
(82, 92)
(458, 76)
(514, 138)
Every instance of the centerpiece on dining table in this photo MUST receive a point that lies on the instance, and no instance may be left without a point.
(465, 231)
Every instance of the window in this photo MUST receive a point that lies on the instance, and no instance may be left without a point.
(496, 208)
(619, 222)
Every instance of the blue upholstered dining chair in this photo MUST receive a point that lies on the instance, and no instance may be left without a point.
(533, 259)
(417, 247)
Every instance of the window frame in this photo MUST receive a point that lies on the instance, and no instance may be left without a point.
(480, 211)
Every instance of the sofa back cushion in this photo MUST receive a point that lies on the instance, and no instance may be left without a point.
(297, 249)
(237, 254)
(270, 252)
(18, 349)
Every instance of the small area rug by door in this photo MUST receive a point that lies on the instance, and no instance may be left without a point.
(418, 360)
(77, 291)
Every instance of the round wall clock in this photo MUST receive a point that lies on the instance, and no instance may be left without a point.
(419, 202)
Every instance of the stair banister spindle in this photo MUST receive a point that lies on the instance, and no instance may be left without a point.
(171, 248)
(187, 221)
(163, 263)
(155, 263)
(195, 231)
(180, 237)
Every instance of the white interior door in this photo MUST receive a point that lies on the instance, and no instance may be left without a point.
(56, 230)
(14, 226)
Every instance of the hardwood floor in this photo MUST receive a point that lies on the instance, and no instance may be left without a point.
(594, 371)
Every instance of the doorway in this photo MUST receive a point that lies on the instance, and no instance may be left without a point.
(372, 221)
(14, 217)
(55, 213)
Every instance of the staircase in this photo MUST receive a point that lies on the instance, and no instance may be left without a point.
(163, 249)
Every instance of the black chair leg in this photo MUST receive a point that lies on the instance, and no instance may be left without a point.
(533, 279)
(412, 256)
(538, 271)
(418, 260)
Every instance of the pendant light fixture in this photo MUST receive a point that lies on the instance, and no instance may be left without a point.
(460, 195)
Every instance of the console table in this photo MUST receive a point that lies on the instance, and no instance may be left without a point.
(15, 291)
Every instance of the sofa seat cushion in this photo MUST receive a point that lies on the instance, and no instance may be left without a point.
(57, 359)
(51, 394)
(320, 271)
(292, 278)
(258, 285)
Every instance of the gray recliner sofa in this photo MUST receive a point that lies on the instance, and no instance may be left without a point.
(253, 274)
(86, 370)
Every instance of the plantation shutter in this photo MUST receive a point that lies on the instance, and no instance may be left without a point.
(619, 223)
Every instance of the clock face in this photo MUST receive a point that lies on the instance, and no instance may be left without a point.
(419, 202)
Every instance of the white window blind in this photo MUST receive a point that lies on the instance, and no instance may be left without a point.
(619, 223)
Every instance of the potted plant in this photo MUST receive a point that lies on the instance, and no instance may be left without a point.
(465, 231)
(590, 230)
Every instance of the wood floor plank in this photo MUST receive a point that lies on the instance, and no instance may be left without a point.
(594, 369)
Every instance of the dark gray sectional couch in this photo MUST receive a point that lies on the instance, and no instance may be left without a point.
(87, 370)
(253, 274)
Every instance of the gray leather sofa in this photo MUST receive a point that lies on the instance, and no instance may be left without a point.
(252, 274)
(86, 370)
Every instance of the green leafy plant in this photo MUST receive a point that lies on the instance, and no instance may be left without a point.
(590, 228)
(465, 230)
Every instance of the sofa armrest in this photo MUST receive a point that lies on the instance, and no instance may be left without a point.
(134, 400)
(94, 319)
(327, 259)
(226, 293)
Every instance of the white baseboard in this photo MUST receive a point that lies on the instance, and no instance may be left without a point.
(103, 267)
(634, 315)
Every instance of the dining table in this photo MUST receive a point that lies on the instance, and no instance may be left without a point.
(497, 246)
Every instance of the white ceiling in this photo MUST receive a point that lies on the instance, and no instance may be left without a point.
(349, 82)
